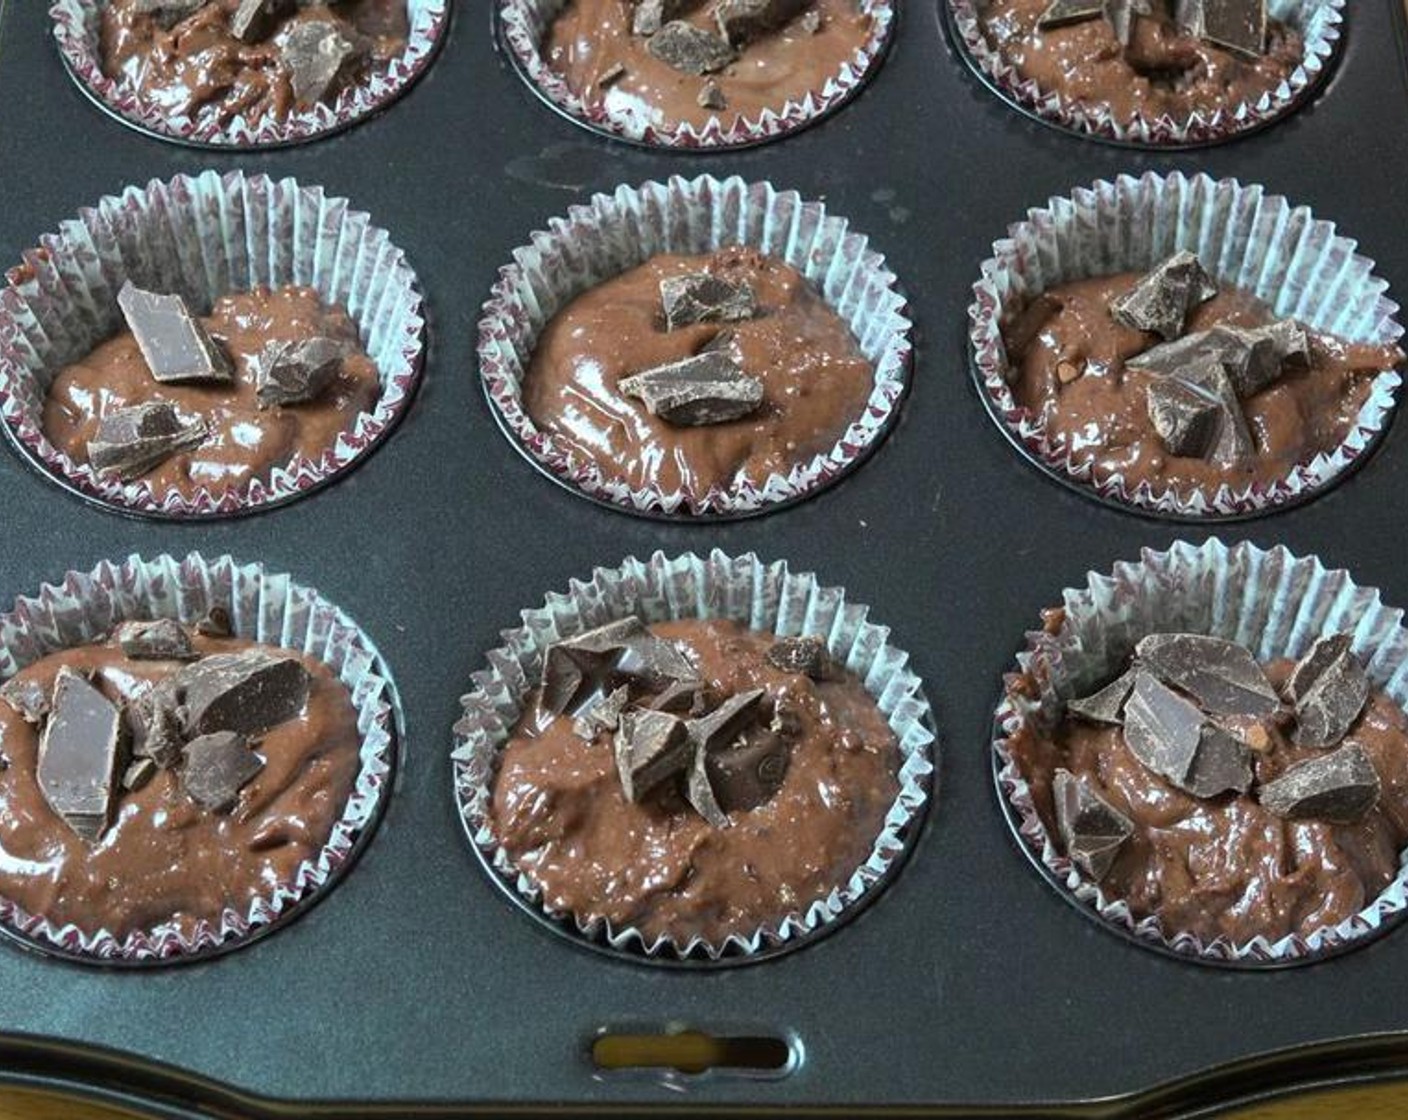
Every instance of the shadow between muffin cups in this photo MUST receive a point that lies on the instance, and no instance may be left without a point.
(1270, 601)
(613, 233)
(762, 597)
(204, 237)
(264, 607)
(76, 33)
(1248, 239)
(1319, 21)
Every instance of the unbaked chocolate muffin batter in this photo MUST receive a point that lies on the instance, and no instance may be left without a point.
(1161, 72)
(815, 379)
(245, 441)
(164, 857)
(1067, 354)
(559, 810)
(184, 57)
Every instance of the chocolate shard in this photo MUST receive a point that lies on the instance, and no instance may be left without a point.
(611, 75)
(1121, 15)
(602, 714)
(651, 747)
(216, 767)
(317, 53)
(131, 441)
(709, 388)
(154, 723)
(1187, 418)
(1107, 704)
(1222, 763)
(741, 20)
(699, 791)
(1238, 25)
(1233, 442)
(690, 49)
(172, 341)
(1221, 676)
(721, 727)
(168, 13)
(711, 96)
(1063, 12)
(81, 753)
(685, 697)
(1339, 787)
(1160, 302)
(1092, 830)
(648, 16)
(138, 773)
(1161, 728)
(296, 372)
(161, 639)
(1329, 689)
(748, 774)
(801, 655)
(215, 623)
(255, 20)
(701, 297)
(624, 651)
(810, 21)
(27, 697)
(248, 692)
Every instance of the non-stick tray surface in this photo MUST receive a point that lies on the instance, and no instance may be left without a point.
(969, 980)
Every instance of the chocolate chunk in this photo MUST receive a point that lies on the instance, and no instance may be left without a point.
(167, 12)
(27, 697)
(1220, 675)
(801, 655)
(316, 54)
(811, 21)
(1329, 689)
(296, 372)
(690, 49)
(215, 623)
(699, 791)
(701, 297)
(711, 96)
(173, 342)
(154, 722)
(741, 20)
(255, 20)
(1339, 787)
(81, 751)
(746, 775)
(602, 714)
(1252, 357)
(648, 16)
(611, 75)
(131, 441)
(651, 747)
(619, 652)
(1222, 763)
(1187, 418)
(1161, 301)
(725, 723)
(216, 767)
(1060, 13)
(687, 697)
(1161, 728)
(1092, 830)
(709, 388)
(249, 692)
(1106, 705)
(159, 640)
(1233, 442)
(1238, 25)
(138, 774)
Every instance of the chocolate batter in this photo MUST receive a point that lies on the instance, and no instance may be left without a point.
(246, 442)
(592, 37)
(198, 68)
(1161, 72)
(1069, 372)
(559, 811)
(164, 857)
(816, 380)
(1228, 867)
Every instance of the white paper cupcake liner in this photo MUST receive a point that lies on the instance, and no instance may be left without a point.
(524, 24)
(1273, 603)
(1248, 239)
(76, 31)
(264, 607)
(205, 236)
(762, 597)
(616, 232)
(1318, 21)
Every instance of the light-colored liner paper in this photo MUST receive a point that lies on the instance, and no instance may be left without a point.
(525, 25)
(1318, 21)
(616, 232)
(762, 597)
(203, 237)
(1276, 605)
(77, 24)
(264, 607)
(1247, 239)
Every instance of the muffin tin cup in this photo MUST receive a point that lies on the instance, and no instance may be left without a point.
(76, 26)
(523, 24)
(204, 236)
(616, 232)
(1319, 21)
(264, 607)
(1274, 603)
(764, 597)
(1248, 239)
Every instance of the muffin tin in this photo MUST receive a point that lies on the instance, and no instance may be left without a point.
(414, 985)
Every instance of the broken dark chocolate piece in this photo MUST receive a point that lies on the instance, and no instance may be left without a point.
(719, 728)
(316, 54)
(1329, 689)
(1160, 302)
(1222, 763)
(1092, 830)
(216, 767)
(651, 747)
(1106, 705)
(167, 12)
(701, 297)
(1220, 675)
(1121, 14)
(1187, 418)
(27, 697)
(155, 725)
(709, 388)
(1233, 442)
(602, 714)
(611, 75)
(746, 775)
(249, 692)
(801, 655)
(1238, 25)
(138, 773)
(741, 20)
(131, 441)
(80, 754)
(172, 341)
(1161, 728)
(1340, 787)
(690, 49)
(711, 96)
(296, 372)
(811, 21)
(1060, 13)
(215, 623)
(1252, 357)
(621, 651)
(254, 20)
(161, 639)
(699, 791)
(685, 697)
